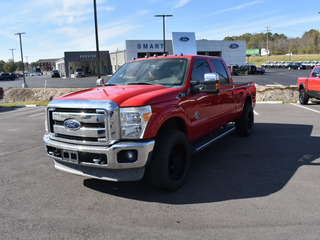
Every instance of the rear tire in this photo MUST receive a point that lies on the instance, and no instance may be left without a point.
(170, 161)
(303, 97)
(245, 123)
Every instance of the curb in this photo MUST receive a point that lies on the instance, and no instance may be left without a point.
(269, 102)
(32, 105)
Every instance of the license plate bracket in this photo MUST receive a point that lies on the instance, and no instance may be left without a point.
(70, 156)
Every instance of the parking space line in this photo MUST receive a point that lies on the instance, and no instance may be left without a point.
(310, 109)
(255, 113)
(274, 85)
(37, 114)
(269, 102)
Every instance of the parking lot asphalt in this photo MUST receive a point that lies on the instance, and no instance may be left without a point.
(265, 186)
(278, 77)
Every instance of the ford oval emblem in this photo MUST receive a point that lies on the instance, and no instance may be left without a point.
(72, 124)
(184, 39)
(233, 46)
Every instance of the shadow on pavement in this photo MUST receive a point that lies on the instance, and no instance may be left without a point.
(233, 168)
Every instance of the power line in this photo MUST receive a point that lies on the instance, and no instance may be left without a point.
(11, 49)
(267, 27)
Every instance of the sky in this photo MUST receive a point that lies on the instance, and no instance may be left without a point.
(53, 27)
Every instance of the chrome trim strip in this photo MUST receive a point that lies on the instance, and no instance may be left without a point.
(82, 132)
(83, 117)
(84, 103)
(215, 139)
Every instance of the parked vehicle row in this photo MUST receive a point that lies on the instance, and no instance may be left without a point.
(245, 69)
(12, 76)
(291, 65)
(8, 76)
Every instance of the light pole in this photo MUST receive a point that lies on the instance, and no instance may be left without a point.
(164, 30)
(97, 39)
(24, 85)
(27, 62)
(11, 49)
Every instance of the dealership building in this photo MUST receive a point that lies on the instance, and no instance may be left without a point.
(233, 52)
(86, 61)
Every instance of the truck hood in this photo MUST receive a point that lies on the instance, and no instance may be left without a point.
(125, 96)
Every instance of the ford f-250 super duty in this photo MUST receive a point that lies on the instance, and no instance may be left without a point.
(147, 119)
(309, 87)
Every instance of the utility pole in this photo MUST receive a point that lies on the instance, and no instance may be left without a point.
(97, 39)
(27, 62)
(267, 27)
(164, 30)
(24, 85)
(11, 49)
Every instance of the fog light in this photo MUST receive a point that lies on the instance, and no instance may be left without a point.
(128, 156)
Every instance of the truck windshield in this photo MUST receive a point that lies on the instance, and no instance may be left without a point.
(169, 72)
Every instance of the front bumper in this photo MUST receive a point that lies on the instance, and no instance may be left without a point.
(100, 162)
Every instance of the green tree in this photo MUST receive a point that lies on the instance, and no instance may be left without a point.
(19, 65)
(2, 63)
(34, 65)
(10, 67)
(293, 48)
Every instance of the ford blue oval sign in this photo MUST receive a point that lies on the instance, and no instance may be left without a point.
(184, 39)
(72, 124)
(233, 46)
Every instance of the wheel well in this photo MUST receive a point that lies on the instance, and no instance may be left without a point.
(301, 87)
(248, 100)
(174, 123)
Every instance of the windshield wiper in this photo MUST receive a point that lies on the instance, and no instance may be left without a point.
(139, 83)
(110, 84)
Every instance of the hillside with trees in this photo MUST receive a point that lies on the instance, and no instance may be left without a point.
(280, 44)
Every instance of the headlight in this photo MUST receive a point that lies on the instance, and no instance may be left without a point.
(134, 121)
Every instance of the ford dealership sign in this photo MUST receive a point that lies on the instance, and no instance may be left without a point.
(233, 46)
(184, 39)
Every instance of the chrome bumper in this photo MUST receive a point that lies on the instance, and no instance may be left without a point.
(107, 169)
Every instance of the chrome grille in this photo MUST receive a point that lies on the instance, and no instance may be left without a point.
(97, 126)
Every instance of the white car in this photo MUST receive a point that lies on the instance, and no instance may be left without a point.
(36, 74)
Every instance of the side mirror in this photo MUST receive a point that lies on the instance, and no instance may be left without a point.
(100, 82)
(211, 83)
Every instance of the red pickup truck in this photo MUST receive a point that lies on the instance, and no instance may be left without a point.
(309, 87)
(1, 93)
(147, 119)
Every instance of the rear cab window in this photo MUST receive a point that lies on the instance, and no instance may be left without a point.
(315, 72)
(220, 69)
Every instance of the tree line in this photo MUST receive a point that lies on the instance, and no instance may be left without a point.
(279, 44)
(11, 66)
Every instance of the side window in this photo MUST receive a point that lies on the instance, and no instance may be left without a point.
(219, 68)
(199, 68)
(315, 72)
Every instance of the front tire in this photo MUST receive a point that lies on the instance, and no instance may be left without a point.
(245, 123)
(303, 97)
(170, 161)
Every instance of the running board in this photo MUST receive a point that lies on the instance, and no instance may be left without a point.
(207, 141)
